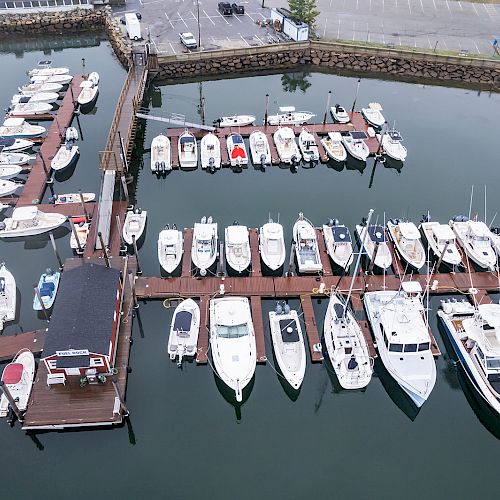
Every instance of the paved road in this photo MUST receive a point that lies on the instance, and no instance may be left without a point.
(452, 24)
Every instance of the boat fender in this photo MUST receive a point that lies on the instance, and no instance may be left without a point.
(78, 220)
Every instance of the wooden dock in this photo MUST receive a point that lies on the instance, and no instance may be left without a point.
(10, 345)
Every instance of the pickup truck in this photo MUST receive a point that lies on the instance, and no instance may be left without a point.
(225, 8)
(238, 9)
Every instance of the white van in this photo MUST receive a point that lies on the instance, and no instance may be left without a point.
(133, 27)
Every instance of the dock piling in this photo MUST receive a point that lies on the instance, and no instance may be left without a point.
(290, 261)
(327, 106)
(58, 257)
(75, 234)
(447, 243)
(136, 253)
(265, 113)
(123, 246)
(11, 401)
(104, 249)
(123, 406)
(355, 96)
(82, 201)
(124, 186)
(221, 265)
(44, 309)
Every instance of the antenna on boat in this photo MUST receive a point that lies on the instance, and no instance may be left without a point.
(383, 273)
(470, 203)
(492, 220)
(485, 203)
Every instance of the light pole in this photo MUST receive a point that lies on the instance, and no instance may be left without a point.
(198, 19)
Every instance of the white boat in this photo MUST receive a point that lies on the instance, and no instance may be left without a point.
(392, 144)
(46, 97)
(288, 344)
(287, 148)
(205, 245)
(7, 158)
(235, 120)
(475, 239)
(82, 229)
(18, 378)
(355, 144)
(29, 221)
(8, 187)
(403, 340)
(48, 71)
(7, 296)
(66, 155)
(9, 171)
(288, 116)
(71, 134)
(346, 345)
(237, 248)
(47, 289)
(160, 154)
(474, 334)
(134, 225)
(372, 114)
(94, 78)
(188, 152)
(334, 147)
(232, 341)
(170, 248)
(63, 199)
(210, 155)
(441, 238)
(272, 245)
(495, 239)
(30, 109)
(373, 239)
(13, 144)
(339, 114)
(184, 330)
(308, 146)
(35, 88)
(338, 243)
(44, 79)
(407, 240)
(237, 150)
(19, 128)
(88, 93)
(259, 148)
(306, 246)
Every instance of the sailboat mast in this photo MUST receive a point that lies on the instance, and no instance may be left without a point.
(470, 203)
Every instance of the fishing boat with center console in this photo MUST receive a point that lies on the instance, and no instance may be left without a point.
(306, 246)
(184, 330)
(288, 116)
(29, 221)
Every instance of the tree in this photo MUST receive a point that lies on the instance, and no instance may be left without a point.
(304, 11)
(291, 82)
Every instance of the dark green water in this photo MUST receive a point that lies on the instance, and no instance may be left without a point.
(184, 439)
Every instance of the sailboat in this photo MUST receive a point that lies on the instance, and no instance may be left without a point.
(7, 296)
(184, 331)
(210, 154)
(160, 154)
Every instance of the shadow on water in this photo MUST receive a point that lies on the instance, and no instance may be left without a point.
(40, 240)
(228, 394)
(355, 164)
(338, 166)
(393, 164)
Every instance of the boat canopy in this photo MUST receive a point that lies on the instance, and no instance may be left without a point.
(443, 232)
(341, 234)
(289, 331)
(24, 213)
(376, 234)
(237, 235)
(182, 322)
(358, 134)
(287, 109)
(185, 139)
(237, 139)
(13, 373)
(409, 231)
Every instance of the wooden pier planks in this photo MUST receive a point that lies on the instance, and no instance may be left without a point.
(254, 248)
(313, 338)
(204, 335)
(258, 325)
(325, 259)
(186, 257)
(357, 307)
(10, 345)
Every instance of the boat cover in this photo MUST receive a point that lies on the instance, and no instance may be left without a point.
(340, 234)
(356, 134)
(23, 213)
(443, 232)
(13, 373)
(47, 289)
(182, 323)
(376, 234)
(289, 331)
(237, 139)
(409, 231)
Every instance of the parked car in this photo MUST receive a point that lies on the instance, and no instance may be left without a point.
(187, 39)
(238, 9)
(225, 8)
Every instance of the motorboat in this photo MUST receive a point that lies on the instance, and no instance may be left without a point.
(373, 116)
(18, 378)
(210, 155)
(46, 290)
(288, 344)
(8, 187)
(474, 335)
(35, 88)
(63, 199)
(355, 144)
(288, 116)
(79, 234)
(44, 79)
(338, 243)
(160, 154)
(403, 339)
(339, 114)
(94, 78)
(7, 296)
(188, 152)
(29, 221)
(19, 128)
(442, 242)
(9, 171)
(205, 244)
(346, 345)
(334, 147)
(232, 341)
(236, 150)
(235, 120)
(88, 94)
(237, 247)
(287, 148)
(407, 240)
(170, 248)
(306, 246)
(392, 144)
(71, 134)
(184, 330)
(259, 148)
(7, 158)
(13, 144)
(272, 245)
(47, 71)
(495, 239)
(308, 146)
(46, 97)
(134, 225)
(30, 109)
(66, 155)
(373, 241)
(475, 239)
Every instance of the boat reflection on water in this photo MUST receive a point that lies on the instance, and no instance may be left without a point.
(338, 166)
(229, 395)
(393, 164)
(355, 164)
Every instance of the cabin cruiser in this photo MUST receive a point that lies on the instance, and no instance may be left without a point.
(272, 245)
(29, 221)
(308, 146)
(7, 296)
(406, 238)
(288, 344)
(134, 225)
(259, 148)
(235, 120)
(403, 340)
(392, 143)
(441, 238)
(46, 97)
(184, 330)
(170, 248)
(355, 144)
(187, 150)
(306, 246)
(160, 154)
(19, 128)
(30, 108)
(205, 244)
(236, 150)
(373, 241)
(237, 246)
(288, 116)
(334, 147)
(373, 116)
(475, 238)
(232, 341)
(338, 243)
(210, 152)
(339, 114)
(474, 334)
(13, 144)
(284, 138)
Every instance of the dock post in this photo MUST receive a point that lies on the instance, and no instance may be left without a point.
(75, 234)
(82, 201)
(372, 176)
(58, 257)
(134, 293)
(61, 135)
(372, 260)
(119, 396)
(39, 297)
(327, 106)
(202, 110)
(11, 401)
(124, 186)
(79, 126)
(265, 114)
(124, 155)
(355, 96)
(123, 246)
(104, 249)
(83, 67)
(290, 261)
(48, 179)
(221, 265)
(136, 253)
(447, 243)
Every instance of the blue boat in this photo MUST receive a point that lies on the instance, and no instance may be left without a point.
(47, 288)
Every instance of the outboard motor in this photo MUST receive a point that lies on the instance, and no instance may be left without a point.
(495, 230)
(162, 166)
(278, 309)
(426, 218)
(460, 218)
(174, 226)
(263, 159)
(286, 309)
(157, 166)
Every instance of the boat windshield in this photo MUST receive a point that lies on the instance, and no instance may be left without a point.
(233, 332)
(424, 346)
(493, 363)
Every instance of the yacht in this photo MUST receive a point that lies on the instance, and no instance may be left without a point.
(392, 144)
(235, 120)
(355, 144)
(232, 341)
(184, 330)
(210, 152)
(334, 147)
(288, 116)
(287, 148)
(236, 150)
(237, 247)
(441, 238)
(170, 248)
(338, 243)
(308, 146)
(406, 238)
(7, 296)
(259, 148)
(205, 245)
(339, 114)
(19, 128)
(272, 245)
(306, 246)
(160, 154)
(373, 240)
(403, 340)
(373, 116)
(134, 225)
(187, 150)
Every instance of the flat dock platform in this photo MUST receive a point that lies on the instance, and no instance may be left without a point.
(10, 345)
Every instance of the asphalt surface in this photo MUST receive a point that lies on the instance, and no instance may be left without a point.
(449, 25)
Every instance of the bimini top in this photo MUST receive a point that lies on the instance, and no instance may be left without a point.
(237, 139)
(289, 332)
(409, 231)
(237, 235)
(187, 138)
(273, 230)
(376, 234)
(24, 213)
(287, 109)
(411, 286)
(204, 231)
(341, 234)
(357, 134)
